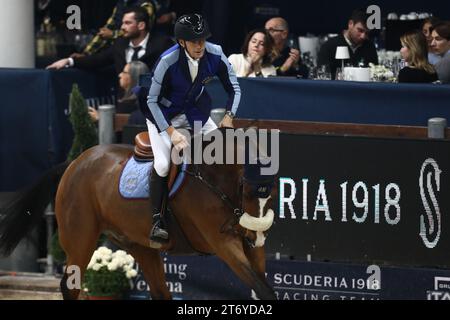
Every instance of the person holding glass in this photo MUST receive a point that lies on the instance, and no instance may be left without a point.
(415, 52)
(256, 57)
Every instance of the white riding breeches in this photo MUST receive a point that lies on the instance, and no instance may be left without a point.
(161, 143)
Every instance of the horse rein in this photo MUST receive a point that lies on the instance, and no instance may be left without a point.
(238, 211)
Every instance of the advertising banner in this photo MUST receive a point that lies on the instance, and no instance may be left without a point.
(363, 200)
(208, 278)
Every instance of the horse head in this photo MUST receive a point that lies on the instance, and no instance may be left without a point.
(259, 191)
(241, 177)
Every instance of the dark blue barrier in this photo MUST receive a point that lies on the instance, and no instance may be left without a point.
(34, 130)
(338, 101)
(24, 119)
(208, 278)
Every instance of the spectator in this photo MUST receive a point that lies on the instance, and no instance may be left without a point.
(128, 80)
(356, 38)
(136, 44)
(415, 52)
(440, 45)
(427, 29)
(287, 60)
(112, 29)
(165, 17)
(255, 59)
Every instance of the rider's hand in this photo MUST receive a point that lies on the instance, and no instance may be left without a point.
(59, 64)
(179, 140)
(227, 122)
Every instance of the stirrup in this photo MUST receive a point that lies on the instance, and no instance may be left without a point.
(159, 234)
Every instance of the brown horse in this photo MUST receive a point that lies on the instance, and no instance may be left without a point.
(88, 203)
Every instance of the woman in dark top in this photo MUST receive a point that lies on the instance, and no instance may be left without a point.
(415, 52)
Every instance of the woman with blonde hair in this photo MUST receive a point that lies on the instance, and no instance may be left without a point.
(415, 52)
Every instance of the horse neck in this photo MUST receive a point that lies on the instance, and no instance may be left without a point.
(225, 177)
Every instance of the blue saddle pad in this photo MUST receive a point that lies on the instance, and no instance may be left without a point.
(133, 183)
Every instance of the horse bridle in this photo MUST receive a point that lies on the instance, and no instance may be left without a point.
(237, 210)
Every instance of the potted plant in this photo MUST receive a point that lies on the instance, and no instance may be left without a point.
(108, 274)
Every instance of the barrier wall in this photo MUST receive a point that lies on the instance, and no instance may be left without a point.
(35, 132)
(368, 213)
(338, 101)
(208, 278)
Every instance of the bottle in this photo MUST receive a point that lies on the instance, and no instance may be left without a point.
(40, 42)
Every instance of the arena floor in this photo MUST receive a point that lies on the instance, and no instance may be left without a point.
(28, 286)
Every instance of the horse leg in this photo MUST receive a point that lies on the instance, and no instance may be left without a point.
(79, 241)
(151, 264)
(257, 258)
(232, 252)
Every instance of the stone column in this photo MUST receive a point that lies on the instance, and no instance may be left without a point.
(17, 34)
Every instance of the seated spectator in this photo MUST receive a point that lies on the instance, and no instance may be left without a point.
(415, 52)
(165, 17)
(427, 29)
(128, 79)
(287, 60)
(356, 38)
(440, 45)
(135, 44)
(112, 29)
(256, 57)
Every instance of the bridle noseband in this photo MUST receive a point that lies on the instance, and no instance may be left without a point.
(238, 211)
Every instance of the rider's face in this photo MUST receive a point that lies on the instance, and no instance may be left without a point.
(195, 49)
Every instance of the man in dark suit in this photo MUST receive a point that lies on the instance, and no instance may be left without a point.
(135, 44)
(356, 38)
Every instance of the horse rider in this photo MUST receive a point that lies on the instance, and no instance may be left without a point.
(177, 99)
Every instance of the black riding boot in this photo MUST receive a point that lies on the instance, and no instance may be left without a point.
(158, 194)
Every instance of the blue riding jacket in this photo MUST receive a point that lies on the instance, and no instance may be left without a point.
(172, 91)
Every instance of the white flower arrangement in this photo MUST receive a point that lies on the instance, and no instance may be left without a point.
(381, 73)
(108, 272)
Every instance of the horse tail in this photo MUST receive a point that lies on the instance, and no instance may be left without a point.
(24, 211)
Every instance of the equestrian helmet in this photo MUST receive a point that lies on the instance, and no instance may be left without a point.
(191, 27)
